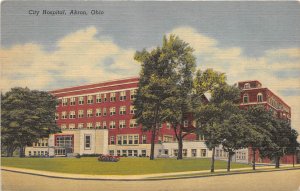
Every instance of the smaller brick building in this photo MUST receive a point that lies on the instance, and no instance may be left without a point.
(254, 94)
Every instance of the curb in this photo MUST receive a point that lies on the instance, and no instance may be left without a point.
(141, 178)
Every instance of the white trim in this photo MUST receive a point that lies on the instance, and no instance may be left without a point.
(54, 93)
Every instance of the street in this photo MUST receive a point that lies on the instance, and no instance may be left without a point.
(273, 181)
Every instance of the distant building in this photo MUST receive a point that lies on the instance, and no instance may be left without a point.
(253, 94)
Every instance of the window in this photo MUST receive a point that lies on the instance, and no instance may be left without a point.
(111, 152)
(112, 125)
(132, 109)
(194, 152)
(87, 141)
(81, 100)
(246, 86)
(136, 139)
(245, 98)
(144, 139)
(122, 124)
(185, 123)
(130, 139)
(80, 114)
(118, 153)
(166, 152)
(89, 113)
(143, 153)
(112, 140)
(112, 111)
(168, 126)
(98, 112)
(80, 125)
(64, 141)
(167, 138)
(89, 125)
(72, 115)
(72, 101)
(133, 94)
(122, 110)
(135, 153)
(71, 126)
(98, 125)
(104, 125)
(124, 140)
(64, 115)
(113, 97)
(129, 152)
(90, 99)
(175, 152)
(122, 95)
(259, 97)
(98, 98)
(65, 101)
(119, 139)
(63, 126)
(133, 123)
(184, 152)
(105, 98)
(104, 111)
(29, 153)
(203, 152)
(56, 116)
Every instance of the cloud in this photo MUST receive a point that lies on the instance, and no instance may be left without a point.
(78, 57)
(86, 56)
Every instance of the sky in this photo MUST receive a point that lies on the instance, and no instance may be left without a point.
(245, 40)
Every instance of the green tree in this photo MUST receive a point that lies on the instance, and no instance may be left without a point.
(293, 144)
(235, 134)
(152, 92)
(179, 55)
(280, 137)
(261, 127)
(210, 117)
(26, 116)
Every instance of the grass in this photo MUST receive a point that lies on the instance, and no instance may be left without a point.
(126, 166)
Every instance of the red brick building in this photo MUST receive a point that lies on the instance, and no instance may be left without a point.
(254, 94)
(108, 105)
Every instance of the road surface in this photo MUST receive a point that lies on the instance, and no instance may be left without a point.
(266, 181)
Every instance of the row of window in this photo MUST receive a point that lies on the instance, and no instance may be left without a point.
(203, 152)
(125, 153)
(98, 112)
(246, 98)
(99, 98)
(99, 125)
(127, 139)
(38, 153)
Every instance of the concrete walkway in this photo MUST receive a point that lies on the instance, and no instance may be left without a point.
(157, 176)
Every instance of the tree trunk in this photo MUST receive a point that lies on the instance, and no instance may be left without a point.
(22, 151)
(180, 146)
(152, 143)
(212, 166)
(229, 160)
(253, 158)
(293, 159)
(277, 165)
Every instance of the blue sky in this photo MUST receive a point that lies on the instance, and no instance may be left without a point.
(246, 40)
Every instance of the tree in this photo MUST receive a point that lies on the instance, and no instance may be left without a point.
(293, 144)
(235, 133)
(152, 92)
(179, 55)
(260, 132)
(211, 116)
(26, 116)
(280, 133)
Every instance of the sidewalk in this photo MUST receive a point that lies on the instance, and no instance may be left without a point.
(158, 176)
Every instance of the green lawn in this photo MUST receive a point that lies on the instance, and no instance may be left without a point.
(126, 166)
